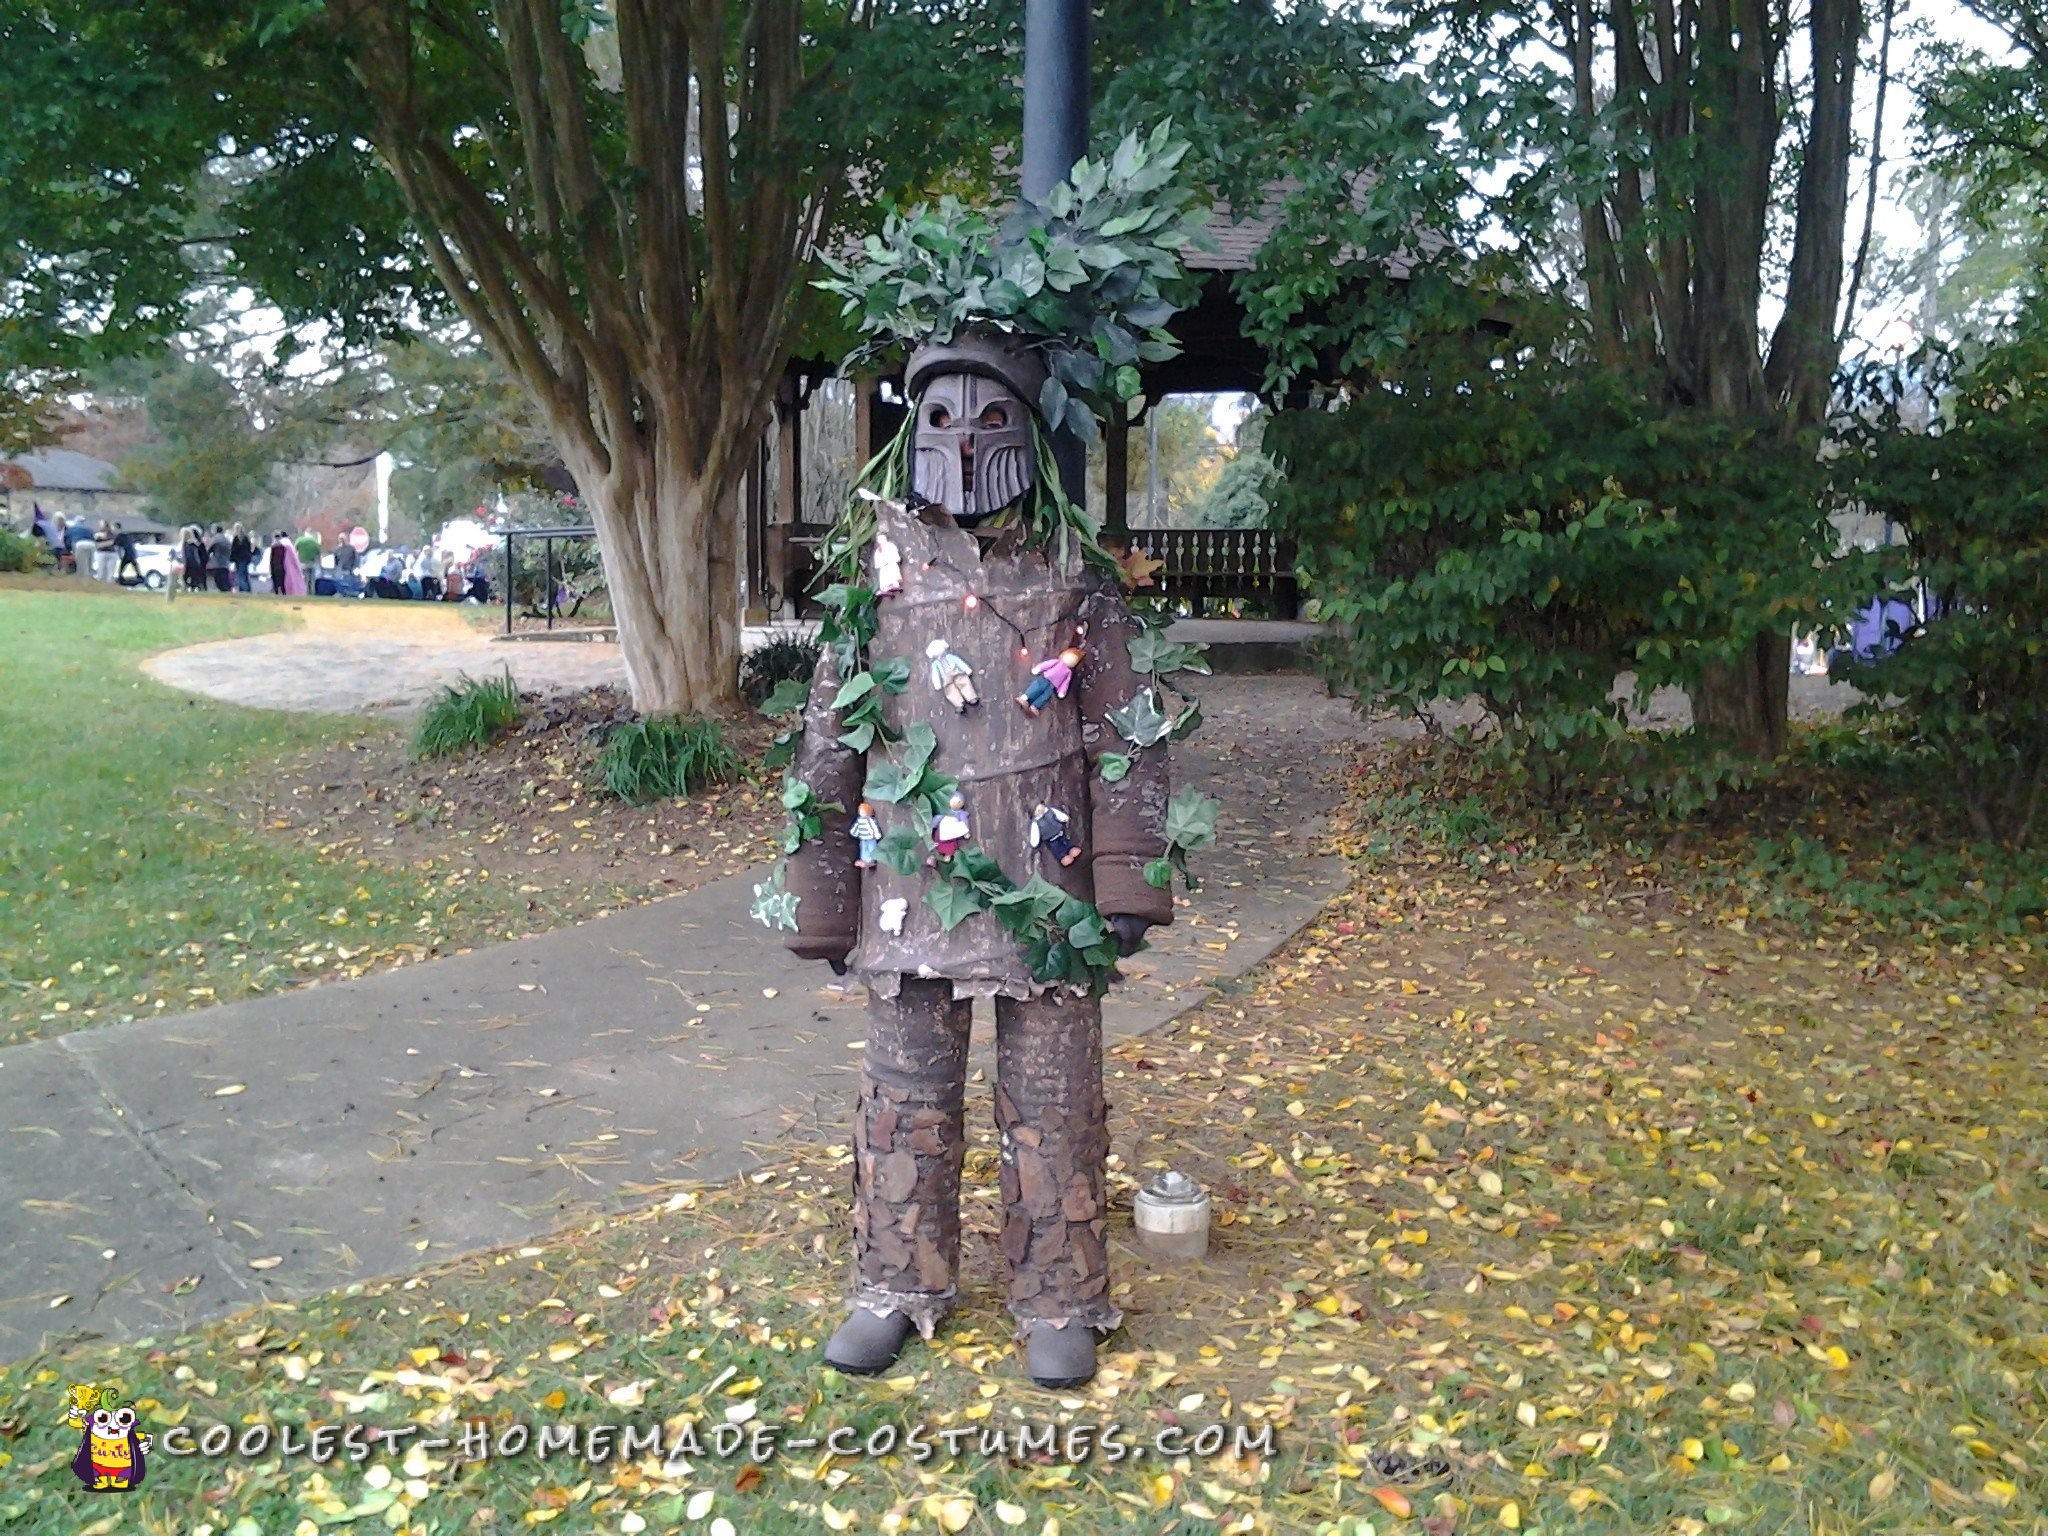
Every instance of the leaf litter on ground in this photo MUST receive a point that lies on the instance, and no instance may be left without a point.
(1549, 1197)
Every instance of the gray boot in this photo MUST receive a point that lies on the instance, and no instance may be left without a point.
(867, 1343)
(1059, 1357)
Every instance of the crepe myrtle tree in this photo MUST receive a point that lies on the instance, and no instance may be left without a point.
(620, 199)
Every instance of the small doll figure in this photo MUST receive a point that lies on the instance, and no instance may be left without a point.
(1049, 831)
(888, 566)
(867, 832)
(949, 828)
(1050, 679)
(952, 677)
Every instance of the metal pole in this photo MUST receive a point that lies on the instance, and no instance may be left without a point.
(511, 556)
(1055, 91)
(1055, 136)
(547, 543)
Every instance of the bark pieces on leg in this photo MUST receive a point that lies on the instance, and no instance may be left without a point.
(1055, 1140)
(909, 1144)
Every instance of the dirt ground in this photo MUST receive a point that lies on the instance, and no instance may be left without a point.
(532, 806)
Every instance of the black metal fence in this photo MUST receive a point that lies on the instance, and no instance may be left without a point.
(547, 585)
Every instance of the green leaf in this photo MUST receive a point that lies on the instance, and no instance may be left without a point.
(1089, 931)
(854, 689)
(892, 673)
(795, 792)
(902, 849)
(1040, 899)
(1113, 766)
(1151, 651)
(1159, 873)
(887, 783)
(789, 697)
(1191, 820)
(1141, 722)
(774, 904)
(860, 738)
(919, 743)
(974, 863)
(954, 901)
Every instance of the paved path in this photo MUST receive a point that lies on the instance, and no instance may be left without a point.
(376, 658)
(368, 1127)
(390, 658)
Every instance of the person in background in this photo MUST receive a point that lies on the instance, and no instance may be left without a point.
(308, 546)
(277, 548)
(295, 567)
(241, 555)
(53, 535)
(39, 526)
(105, 558)
(124, 550)
(192, 558)
(78, 544)
(431, 570)
(345, 558)
(219, 559)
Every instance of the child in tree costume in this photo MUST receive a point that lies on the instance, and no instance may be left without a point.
(981, 559)
(972, 578)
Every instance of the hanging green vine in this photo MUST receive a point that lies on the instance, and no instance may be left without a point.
(1065, 939)
(1190, 827)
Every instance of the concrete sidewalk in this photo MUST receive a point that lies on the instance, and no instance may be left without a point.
(286, 1145)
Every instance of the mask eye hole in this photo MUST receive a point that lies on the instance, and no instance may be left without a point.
(995, 416)
(939, 417)
(124, 1419)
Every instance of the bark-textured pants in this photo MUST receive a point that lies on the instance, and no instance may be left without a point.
(910, 1140)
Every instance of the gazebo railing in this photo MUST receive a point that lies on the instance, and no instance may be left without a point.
(1206, 568)
(1214, 566)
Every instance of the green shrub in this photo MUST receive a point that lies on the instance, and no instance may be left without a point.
(1501, 520)
(786, 658)
(467, 714)
(668, 758)
(1967, 682)
(18, 552)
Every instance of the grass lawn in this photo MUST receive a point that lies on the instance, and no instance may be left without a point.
(1554, 1195)
(127, 884)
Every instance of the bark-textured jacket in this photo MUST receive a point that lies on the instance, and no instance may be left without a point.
(1002, 609)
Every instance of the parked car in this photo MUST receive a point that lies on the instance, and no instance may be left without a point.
(159, 564)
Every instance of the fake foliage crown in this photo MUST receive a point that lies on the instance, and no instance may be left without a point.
(1090, 276)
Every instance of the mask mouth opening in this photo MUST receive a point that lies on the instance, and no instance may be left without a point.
(967, 469)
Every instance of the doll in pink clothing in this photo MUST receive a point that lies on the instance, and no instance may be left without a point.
(1050, 679)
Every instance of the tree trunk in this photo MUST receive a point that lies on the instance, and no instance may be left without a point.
(669, 541)
(1747, 698)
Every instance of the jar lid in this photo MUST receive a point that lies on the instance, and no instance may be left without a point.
(1175, 1188)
